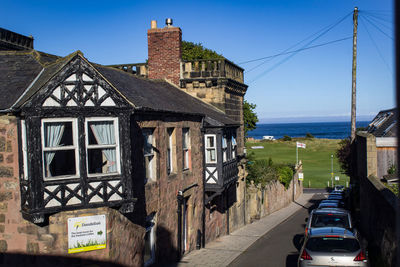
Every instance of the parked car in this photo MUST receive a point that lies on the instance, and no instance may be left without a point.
(336, 196)
(338, 188)
(329, 217)
(340, 203)
(332, 246)
(327, 205)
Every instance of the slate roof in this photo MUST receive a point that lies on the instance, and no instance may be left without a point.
(159, 95)
(22, 74)
(384, 124)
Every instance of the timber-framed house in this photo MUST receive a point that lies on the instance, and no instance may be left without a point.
(149, 149)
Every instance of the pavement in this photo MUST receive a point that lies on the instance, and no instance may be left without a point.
(224, 250)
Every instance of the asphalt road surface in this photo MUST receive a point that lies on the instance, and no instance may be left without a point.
(280, 247)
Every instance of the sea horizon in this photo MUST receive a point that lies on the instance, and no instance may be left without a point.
(329, 130)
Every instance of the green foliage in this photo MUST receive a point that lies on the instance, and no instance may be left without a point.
(286, 138)
(344, 156)
(249, 116)
(285, 175)
(264, 171)
(309, 135)
(392, 169)
(193, 51)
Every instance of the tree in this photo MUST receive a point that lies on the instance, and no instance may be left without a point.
(193, 51)
(249, 116)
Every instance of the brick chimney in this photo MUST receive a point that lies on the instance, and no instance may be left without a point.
(164, 51)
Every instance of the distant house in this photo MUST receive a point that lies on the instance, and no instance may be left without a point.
(377, 145)
(157, 148)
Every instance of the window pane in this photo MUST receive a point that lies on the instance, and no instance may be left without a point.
(210, 141)
(101, 133)
(211, 155)
(102, 160)
(149, 167)
(148, 143)
(58, 134)
(58, 163)
(147, 246)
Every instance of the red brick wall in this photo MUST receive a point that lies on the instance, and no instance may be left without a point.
(164, 52)
(161, 194)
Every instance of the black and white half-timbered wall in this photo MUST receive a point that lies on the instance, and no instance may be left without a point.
(75, 133)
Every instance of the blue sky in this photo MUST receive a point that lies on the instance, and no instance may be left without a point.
(311, 83)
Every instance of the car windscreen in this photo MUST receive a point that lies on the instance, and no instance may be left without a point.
(330, 220)
(332, 244)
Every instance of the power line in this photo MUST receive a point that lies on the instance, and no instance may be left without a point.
(293, 54)
(298, 50)
(379, 22)
(379, 29)
(376, 46)
(379, 16)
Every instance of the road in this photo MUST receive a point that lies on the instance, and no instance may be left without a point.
(280, 247)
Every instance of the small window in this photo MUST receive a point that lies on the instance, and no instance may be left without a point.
(234, 146)
(186, 148)
(171, 151)
(224, 149)
(24, 150)
(211, 148)
(60, 149)
(148, 153)
(149, 241)
(102, 145)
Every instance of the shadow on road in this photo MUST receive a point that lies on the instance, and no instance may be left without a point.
(298, 241)
(291, 260)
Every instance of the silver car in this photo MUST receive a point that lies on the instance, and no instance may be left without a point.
(329, 217)
(332, 246)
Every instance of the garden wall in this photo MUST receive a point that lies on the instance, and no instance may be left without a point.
(263, 201)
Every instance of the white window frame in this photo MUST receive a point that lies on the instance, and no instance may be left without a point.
(211, 148)
(170, 163)
(185, 149)
(116, 146)
(149, 132)
(75, 147)
(24, 150)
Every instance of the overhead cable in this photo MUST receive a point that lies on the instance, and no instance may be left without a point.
(376, 46)
(306, 45)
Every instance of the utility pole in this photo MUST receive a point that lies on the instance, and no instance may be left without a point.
(332, 170)
(353, 84)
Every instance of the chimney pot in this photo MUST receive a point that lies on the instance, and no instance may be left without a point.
(168, 22)
(154, 24)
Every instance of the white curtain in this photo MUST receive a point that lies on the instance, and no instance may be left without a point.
(54, 133)
(104, 133)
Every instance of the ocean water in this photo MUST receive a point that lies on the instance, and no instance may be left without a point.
(330, 130)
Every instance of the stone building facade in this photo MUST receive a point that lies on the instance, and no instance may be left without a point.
(79, 139)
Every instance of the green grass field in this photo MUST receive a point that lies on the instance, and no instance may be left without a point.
(316, 158)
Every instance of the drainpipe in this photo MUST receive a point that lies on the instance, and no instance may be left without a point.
(203, 241)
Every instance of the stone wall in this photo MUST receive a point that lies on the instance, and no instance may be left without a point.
(378, 218)
(160, 195)
(263, 201)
